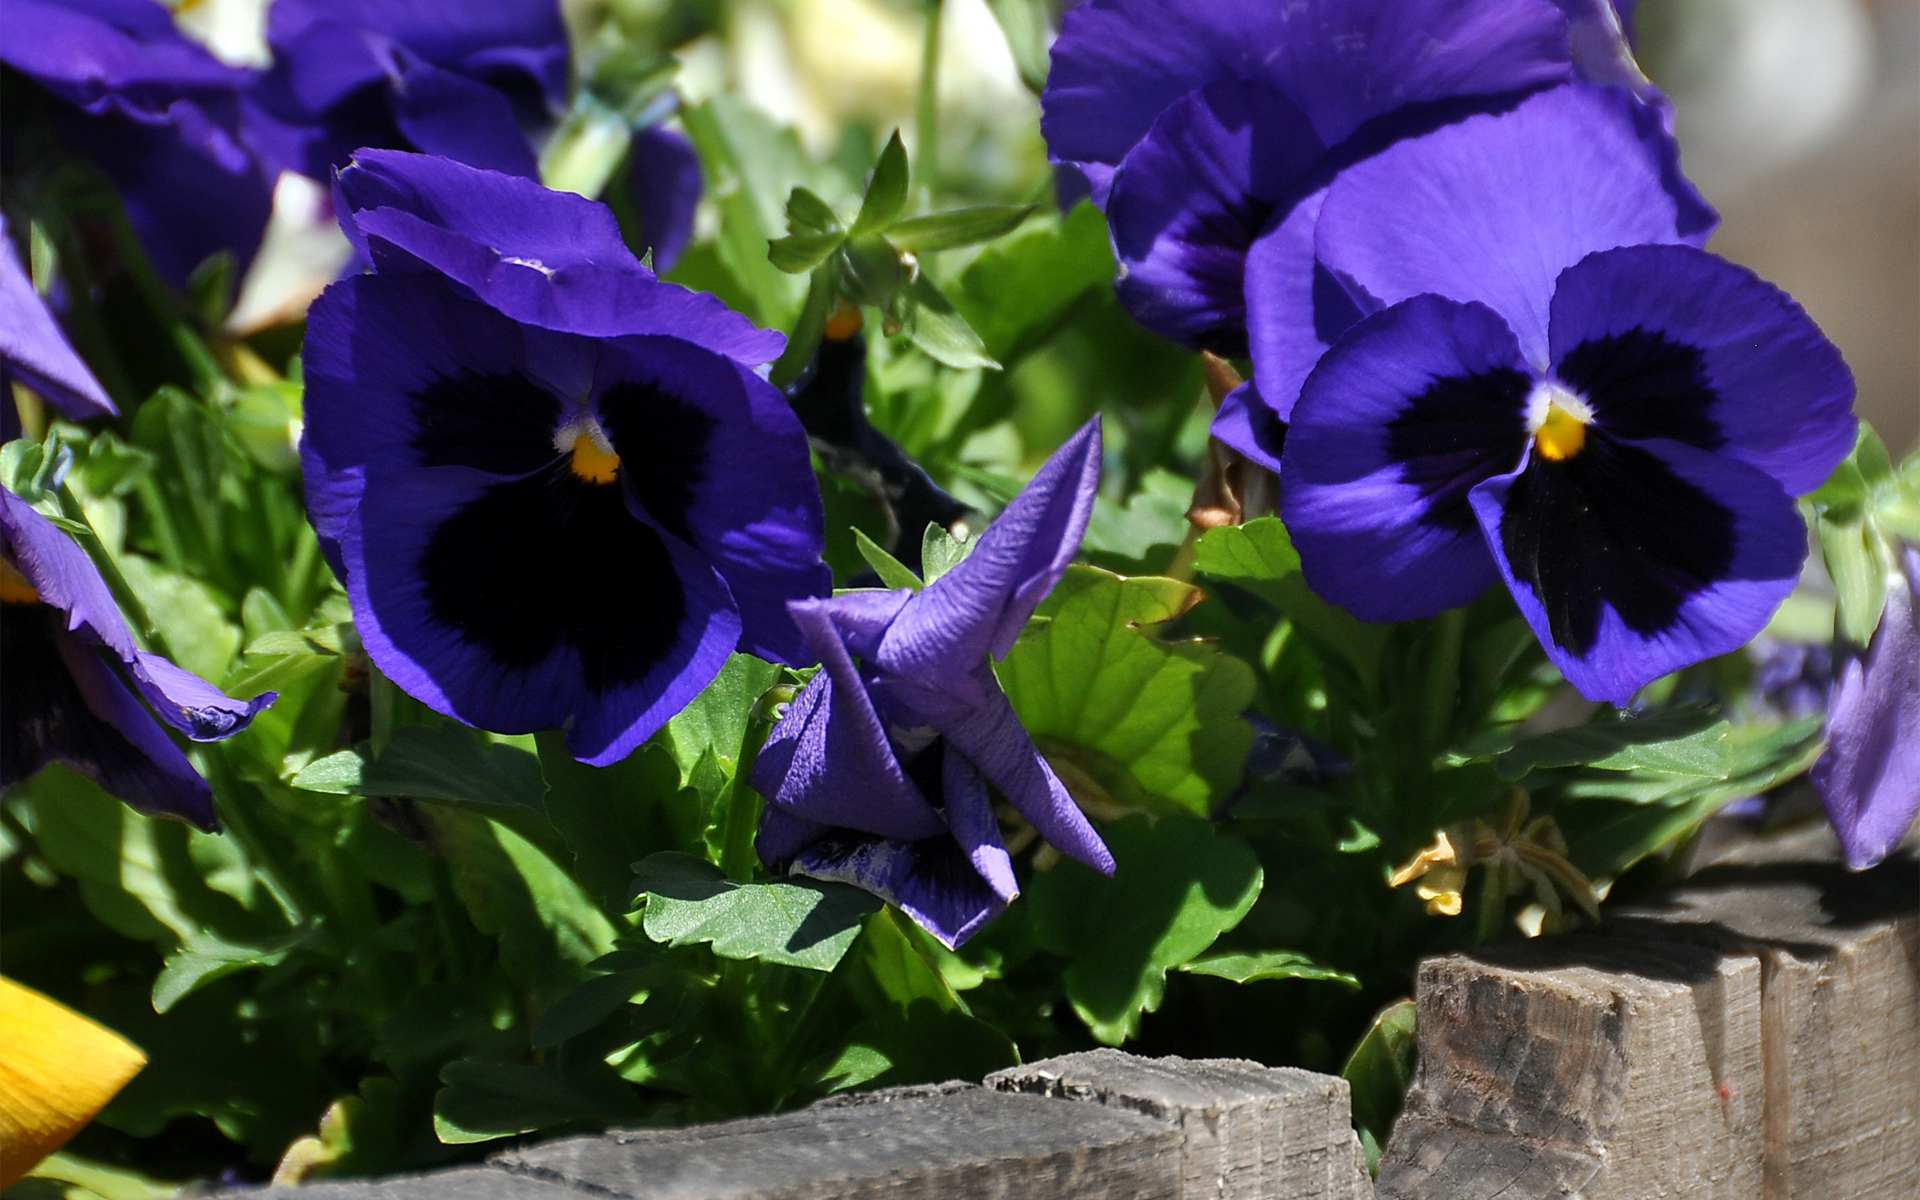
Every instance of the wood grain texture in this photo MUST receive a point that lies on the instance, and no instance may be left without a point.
(933, 1143)
(1247, 1131)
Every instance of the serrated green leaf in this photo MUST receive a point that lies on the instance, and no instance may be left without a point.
(715, 722)
(915, 1021)
(203, 958)
(1125, 718)
(589, 1003)
(1683, 740)
(1267, 964)
(958, 227)
(892, 572)
(797, 923)
(1177, 886)
(450, 763)
(886, 191)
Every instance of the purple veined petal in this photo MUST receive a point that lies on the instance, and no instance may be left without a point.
(666, 181)
(980, 606)
(930, 880)
(533, 603)
(123, 56)
(1493, 208)
(1296, 308)
(450, 115)
(189, 703)
(1248, 424)
(547, 258)
(1670, 341)
(1634, 559)
(716, 455)
(1189, 200)
(994, 741)
(1408, 412)
(970, 817)
(122, 748)
(1118, 63)
(34, 350)
(1869, 776)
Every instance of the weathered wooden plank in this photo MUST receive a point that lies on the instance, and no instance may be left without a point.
(1840, 986)
(949, 1142)
(1247, 1131)
(462, 1183)
(1583, 1067)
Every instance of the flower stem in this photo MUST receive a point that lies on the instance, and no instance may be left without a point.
(926, 116)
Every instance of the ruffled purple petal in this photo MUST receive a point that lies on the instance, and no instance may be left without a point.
(119, 56)
(1869, 776)
(1492, 209)
(33, 349)
(993, 739)
(462, 119)
(1295, 306)
(1670, 341)
(829, 759)
(930, 880)
(1248, 424)
(666, 180)
(547, 258)
(1191, 197)
(1119, 63)
(1631, 560)
(717, 455)
(981, 605)
(1403, 418)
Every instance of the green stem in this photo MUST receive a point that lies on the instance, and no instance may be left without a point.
(737, 857)
(1443, 678)
(380, 705)
(927, 114)
(1492, 909)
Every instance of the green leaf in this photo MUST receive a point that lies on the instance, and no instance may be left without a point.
(484, 1099)
(808, 213)
(751, 167)
(808, 330)
(203, 958)
(1857, 563)
(1177, 886)
(915, 1021)
(187, 613)
(886, 191)
(1690, 740)
(932, 323)
(612, 817)
(1019, 292)
(449, 762)
(1379, 1071)
(892, 572)
(1127, 719)
(941, 552)
(1028, 28)
(798, 253)
(958, 227)
(590, 1003)
(717, 718)
(1267, 964)
(798, 923)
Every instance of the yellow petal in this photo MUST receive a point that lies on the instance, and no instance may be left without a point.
(57, 1069)
(1440, 854)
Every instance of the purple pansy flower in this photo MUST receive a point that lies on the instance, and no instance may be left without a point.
(557, 490)
(1199, 126)
(665, 173)
(468, 81)
(160, 115)
(65, 701)
(877, 775)
(1623, 458)
(33, 350)
(1869, 777)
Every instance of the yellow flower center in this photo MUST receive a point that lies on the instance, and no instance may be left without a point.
(1558, 419)
(14, 587)
(1561, 435)
(590, 455)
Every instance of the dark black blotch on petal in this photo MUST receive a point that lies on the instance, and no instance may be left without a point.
(1643, 384)
(1462, 430)
(552, 559)
(662, 443)
(1612, 525)
(502, 423)
(45, 718)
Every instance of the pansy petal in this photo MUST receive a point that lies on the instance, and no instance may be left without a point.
(64, 576)
(829, 759)
(189, 703)
(1670, 341)
(450, 115)
(1495, 207)
(1869, 776)
(970, 817)
(34, 350)
(123, 56)
(930, 880)
(981, 605)
(1190, 199)
(1118, 63)
(1403, 417)
(547, 258)
(1248, 424)
(535, 603)
(993, 739)
(525, 34)
(665, 175)
(1634, 559)
(1296, 308)
(716, 455)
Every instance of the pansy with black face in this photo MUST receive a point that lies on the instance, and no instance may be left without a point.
(548, 530)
